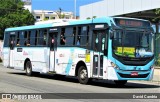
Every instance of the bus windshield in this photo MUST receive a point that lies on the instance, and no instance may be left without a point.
(136, 44)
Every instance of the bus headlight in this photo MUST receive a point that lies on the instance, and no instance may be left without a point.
(114, 65)
(151, 67)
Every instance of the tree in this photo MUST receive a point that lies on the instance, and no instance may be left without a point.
(60, 14)
(94, 17)
(157, 19)
(13, 14)
(88, 18)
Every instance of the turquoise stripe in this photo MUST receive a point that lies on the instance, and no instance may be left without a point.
(69, 63)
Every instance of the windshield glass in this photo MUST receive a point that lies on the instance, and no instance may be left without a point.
(132, 44)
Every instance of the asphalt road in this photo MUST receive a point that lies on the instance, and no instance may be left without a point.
(15, 81)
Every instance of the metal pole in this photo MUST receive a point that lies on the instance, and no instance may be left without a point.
(75, 5)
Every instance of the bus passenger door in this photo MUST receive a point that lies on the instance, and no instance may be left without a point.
(99, 41)
(11, 50)
(53, 48)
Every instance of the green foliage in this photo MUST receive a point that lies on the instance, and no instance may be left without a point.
(59, 13)
(12, 14)
(62, 15)
(157, 12)
(94, 17)
(45, 19)
(88, 18)
(158, 62)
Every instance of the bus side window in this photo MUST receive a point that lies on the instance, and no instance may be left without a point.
(40, 37)
(74, 35)
(62, 37)
(84, 35)
(28, 38)
(18, 39)
(45, 37)
(32, 37)
(78, 42)
(6, 40)
(21, 37)
(69, 36)
(36, 37)
(25, 38)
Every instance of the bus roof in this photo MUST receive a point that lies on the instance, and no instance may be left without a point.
(77, 22)
(130, 18)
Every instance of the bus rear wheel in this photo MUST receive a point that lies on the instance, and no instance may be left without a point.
(120, 82)
(83, 75)
(28, 68)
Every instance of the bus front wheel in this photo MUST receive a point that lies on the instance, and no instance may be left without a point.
(120, 82)
(83, 75)
(28, 68)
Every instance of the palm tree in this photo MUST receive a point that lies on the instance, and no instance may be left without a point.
(59, 13)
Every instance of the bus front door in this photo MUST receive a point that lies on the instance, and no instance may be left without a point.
(99, 41)
(11, 50)
(53, 48)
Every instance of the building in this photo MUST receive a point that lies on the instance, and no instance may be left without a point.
(28, 4)
(118, 8)
(42, 15)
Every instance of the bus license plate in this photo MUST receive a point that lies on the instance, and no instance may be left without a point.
(134, 73)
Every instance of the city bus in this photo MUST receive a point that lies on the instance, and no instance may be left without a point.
(107, 48)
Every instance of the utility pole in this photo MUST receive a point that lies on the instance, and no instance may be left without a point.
(75, 5)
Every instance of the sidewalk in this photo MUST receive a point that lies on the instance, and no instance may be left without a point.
(156, 76)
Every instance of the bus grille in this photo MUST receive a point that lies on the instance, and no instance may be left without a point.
(129, 76)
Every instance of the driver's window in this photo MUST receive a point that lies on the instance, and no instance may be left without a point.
(144, 41)
(117, 41)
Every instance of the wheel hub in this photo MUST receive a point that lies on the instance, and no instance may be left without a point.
(28, 69)
(83, 74)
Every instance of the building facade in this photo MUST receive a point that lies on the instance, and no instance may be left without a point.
(117, 7)
(42, 15)
(28, 4)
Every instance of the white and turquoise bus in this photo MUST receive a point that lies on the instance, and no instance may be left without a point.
(109, 48)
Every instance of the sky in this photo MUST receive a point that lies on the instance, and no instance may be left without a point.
(65, 5)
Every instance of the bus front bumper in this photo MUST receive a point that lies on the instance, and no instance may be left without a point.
(115, 74)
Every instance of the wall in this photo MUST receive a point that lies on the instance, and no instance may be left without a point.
(116, 7)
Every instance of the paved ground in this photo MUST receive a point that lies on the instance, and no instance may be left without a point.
(15, 81)
(156, 74)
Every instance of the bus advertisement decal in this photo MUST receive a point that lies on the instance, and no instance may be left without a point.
(19, 49)
(88, 57)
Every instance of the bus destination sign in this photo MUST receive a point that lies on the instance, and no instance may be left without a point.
(132, 23)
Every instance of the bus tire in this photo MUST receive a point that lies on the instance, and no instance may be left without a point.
(120, 82)
(28, 68)
(83, 75)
